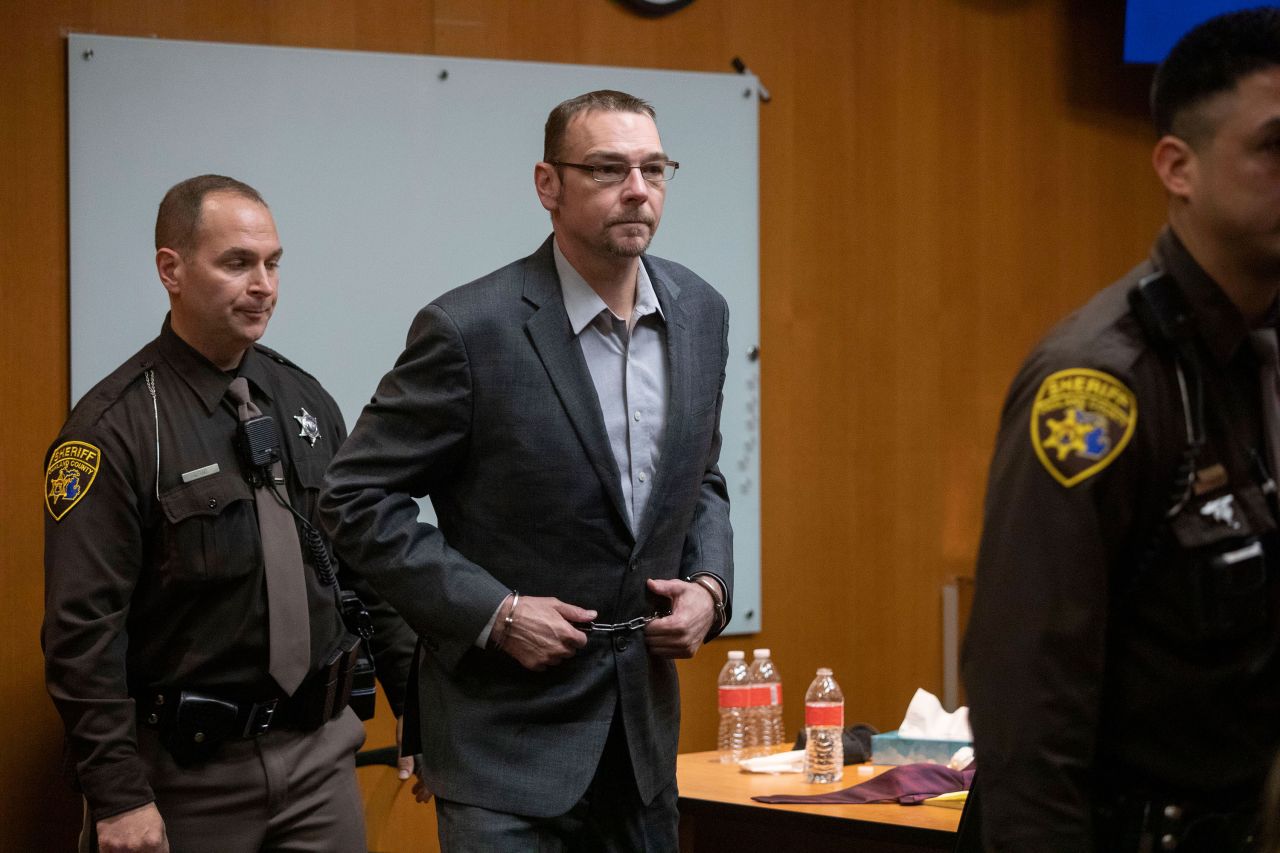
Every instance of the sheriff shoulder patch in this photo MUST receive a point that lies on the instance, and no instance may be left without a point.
(1080, 422)
(73, 465)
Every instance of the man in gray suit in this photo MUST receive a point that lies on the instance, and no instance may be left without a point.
(563, 415)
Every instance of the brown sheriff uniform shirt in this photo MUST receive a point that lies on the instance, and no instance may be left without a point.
(155, 580)
(1087, 677)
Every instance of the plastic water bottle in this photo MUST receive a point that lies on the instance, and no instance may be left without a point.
(734, 689)
(766, 702)
(824, 724)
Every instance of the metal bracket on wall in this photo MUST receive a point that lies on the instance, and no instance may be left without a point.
(741, 68)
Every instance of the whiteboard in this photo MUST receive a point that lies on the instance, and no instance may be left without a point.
(392, 178)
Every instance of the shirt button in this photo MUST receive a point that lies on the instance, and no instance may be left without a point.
(213, 503)
(637, 415)
(641, 477)
(620, 643)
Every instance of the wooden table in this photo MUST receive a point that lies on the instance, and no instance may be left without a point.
(717, 813)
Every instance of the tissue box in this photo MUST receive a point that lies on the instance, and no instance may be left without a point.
(888, 748)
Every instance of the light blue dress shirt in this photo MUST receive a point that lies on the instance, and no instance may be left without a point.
(627, 357)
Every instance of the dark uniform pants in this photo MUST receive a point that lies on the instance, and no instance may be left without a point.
(285, 791)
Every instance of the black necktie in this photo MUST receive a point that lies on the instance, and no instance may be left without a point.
(288, 623)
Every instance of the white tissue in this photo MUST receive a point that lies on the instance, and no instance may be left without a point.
(962, 758)
(925, 719)
(779, 762)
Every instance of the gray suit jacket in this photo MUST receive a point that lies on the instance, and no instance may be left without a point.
(491, 411)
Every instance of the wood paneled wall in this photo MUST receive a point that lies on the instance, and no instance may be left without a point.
(940, 180)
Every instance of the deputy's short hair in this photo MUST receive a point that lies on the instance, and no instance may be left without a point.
(179, 213)
(1209, 60)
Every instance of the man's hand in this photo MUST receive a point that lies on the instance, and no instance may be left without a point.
(404, 763)
(405, 766)
(139, 830)
(693, 609)
(541, 634)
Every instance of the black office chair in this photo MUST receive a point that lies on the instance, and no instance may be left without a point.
(969, 833)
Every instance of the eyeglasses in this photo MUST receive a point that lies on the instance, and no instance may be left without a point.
(612, 173)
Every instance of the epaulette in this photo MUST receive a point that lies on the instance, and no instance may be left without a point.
(101, 397)
(279, 359)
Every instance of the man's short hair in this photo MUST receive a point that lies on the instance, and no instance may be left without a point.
(179, 214)
(1209, 60)
(604, 100)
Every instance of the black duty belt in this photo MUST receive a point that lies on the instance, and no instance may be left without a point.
(194, 711)
(193, 725)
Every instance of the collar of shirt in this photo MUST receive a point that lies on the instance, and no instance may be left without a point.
(583, 305)
(1218, 320)
(205, 379)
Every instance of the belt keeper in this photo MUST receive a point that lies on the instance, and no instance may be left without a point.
(510, 618)
(259, 718)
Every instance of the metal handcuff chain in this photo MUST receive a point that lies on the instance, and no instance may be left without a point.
(619, 627)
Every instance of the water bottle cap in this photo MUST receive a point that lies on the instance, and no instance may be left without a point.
(736, 655)
(761, 653)
(822, 670)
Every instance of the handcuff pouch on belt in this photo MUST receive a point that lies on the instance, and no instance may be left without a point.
(347, 676)
(324, 693)
(361, 675)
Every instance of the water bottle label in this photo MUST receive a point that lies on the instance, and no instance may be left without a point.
(735, 696)
(825, 714)
(766, 694)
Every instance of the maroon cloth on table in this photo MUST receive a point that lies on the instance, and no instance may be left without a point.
(909, 785)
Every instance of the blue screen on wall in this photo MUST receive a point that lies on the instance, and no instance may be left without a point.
(1151, 27)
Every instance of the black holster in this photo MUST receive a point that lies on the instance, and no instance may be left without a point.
(193, 726)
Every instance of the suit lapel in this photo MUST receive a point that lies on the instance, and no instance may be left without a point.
(561, 355)
(679, 390)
